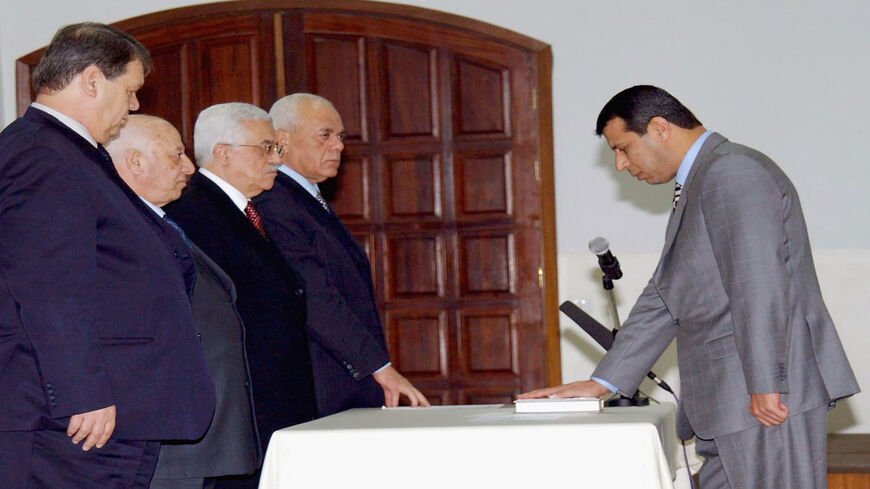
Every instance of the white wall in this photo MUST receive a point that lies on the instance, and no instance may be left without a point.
(789, 81)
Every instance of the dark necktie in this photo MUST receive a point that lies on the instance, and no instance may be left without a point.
(322, 201)
(677, 191)
(255, 219)
(171, 222)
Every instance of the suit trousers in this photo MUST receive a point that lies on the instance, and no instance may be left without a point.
(48, 459)
(792, 455)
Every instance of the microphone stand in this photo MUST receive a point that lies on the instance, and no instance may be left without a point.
(611, 271)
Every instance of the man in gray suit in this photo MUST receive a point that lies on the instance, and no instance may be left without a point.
(149, 156)
(760, 361)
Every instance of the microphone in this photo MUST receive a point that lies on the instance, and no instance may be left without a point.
(600, 334)
(608, 263)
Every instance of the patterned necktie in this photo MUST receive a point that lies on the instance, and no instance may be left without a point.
(322, 201)
(677, 191)
(255, 219)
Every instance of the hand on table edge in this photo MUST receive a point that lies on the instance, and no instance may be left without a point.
(582, 388)
(395, 385)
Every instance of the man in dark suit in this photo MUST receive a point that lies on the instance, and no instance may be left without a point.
(760, 359)
(149, 157)
(349, 356)
(98, 344)
(238, 158)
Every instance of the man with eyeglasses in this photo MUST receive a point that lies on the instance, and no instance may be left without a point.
(349, 355)
(238, 158)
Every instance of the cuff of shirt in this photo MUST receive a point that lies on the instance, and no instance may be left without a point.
(612, 388)
(385, 366)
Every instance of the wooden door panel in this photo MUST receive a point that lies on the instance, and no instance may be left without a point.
(409, 108)
(229, 66)
(414, 189)
(487, 264)
(480, 101)
(415, 266)
(489, 342)
(419, 343)
(483, 185)
(337, 72)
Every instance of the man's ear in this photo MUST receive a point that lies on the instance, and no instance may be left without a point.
(282, 137)
(220, 154)
(660, 128)
(134, 161)
(89, 80)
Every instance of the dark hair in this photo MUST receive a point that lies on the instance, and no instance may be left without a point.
(77, 46)
(638, 104)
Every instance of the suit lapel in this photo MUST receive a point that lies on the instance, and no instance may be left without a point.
(328, 220)
(703, 158)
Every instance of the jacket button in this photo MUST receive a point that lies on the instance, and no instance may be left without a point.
(676, 322)
(299, 291)
(199, 336)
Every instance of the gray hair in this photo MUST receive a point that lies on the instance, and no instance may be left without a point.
(285, 112)
(222, 124)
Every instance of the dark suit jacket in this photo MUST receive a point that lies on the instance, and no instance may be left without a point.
(93, 305)
(231, 445)
(271, 302)
(737, 286)
(346, 338)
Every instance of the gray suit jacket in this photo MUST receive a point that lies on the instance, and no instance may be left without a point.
(737, 287)
(231, 445)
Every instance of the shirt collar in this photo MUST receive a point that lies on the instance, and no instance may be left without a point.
(68, 121)
(233, 193)
(160, 212)
(309, 187)
(689, 159)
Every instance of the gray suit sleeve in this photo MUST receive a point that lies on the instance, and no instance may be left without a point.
(744, 215)
(646, 333)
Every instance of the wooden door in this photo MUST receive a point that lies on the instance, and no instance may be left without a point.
(446, 178)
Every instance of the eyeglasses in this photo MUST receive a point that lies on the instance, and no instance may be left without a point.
(268, 148)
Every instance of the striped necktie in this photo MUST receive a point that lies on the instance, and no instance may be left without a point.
(677, 191)
(322, 201)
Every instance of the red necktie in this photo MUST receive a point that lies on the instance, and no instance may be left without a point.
(255, 219)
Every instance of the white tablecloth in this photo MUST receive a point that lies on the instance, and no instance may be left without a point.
(475, 446)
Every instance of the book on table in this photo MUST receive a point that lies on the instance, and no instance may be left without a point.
(559, 405)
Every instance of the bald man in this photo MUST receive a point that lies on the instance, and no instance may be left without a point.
(149, 156)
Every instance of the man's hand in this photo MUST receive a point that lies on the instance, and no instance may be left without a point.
(583, 388)
(94, 427)
(768, 409)
(394, 385)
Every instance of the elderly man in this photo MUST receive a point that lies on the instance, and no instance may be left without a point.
(238, 158)
(760, 360)
(149, 157)
(99, 357)
(349, 355)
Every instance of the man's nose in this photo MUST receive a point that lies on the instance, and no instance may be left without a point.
(187, 166)
(338, 145)
(621, 161)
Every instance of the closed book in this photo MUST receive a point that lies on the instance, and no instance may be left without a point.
(559, 405)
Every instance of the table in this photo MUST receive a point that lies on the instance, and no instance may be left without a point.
(475, 446)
